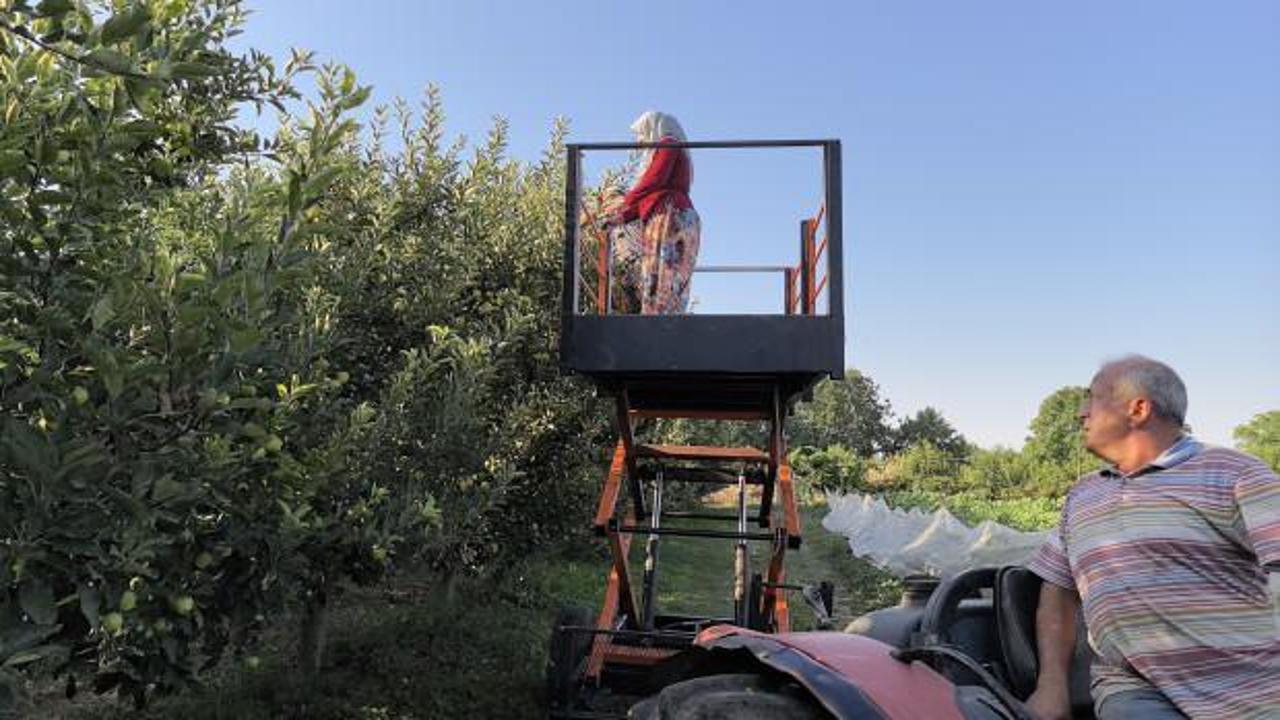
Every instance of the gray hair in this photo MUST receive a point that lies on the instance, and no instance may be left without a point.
(1136, 375)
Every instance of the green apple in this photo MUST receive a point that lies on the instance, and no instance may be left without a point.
(80, 395)
(183, 605)
(128, 601)
(113, 623)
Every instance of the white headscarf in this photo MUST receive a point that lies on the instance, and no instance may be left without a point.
(651, 127)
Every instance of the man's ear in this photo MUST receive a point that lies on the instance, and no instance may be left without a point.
(1140, 411)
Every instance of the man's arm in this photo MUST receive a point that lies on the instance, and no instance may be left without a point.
(1273, 584)
(1056, 619)
(1257, 493)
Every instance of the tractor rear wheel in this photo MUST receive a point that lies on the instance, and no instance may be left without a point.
(730, 697)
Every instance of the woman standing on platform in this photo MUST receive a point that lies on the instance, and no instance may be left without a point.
(655, 229)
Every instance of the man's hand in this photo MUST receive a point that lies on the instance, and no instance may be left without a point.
(1050, 701)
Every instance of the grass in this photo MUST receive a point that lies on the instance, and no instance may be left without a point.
(697, 574)
(399, 652)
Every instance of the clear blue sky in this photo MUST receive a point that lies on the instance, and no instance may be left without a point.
(1030, 187)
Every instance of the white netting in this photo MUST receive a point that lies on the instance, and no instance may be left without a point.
(907, 542)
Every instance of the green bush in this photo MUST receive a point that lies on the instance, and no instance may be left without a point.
(153, 362)
(237, 372)
(1031, 513)
(833, 469)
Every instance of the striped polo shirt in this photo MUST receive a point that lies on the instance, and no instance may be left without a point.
(1171, 563)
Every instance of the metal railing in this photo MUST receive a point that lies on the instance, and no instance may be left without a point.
(801, 282)
(805, 297)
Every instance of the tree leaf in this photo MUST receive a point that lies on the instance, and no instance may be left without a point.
(111, 375)
(124, 24)
(356, 99)
(41, 653)
(54, 8)
(28, 448)
(320, 181)
(11, 161)
(110, 60)
(190, 70)
(244, 340)
(36, 600)
(24, 636)
(90, 603)
(102, 312)
(52, 197)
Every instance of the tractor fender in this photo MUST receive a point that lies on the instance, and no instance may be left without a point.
(852, 676)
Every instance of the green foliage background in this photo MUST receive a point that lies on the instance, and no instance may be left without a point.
(238, 373)
(1261, 436)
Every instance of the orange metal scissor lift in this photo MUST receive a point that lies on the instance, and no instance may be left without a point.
(750, 368)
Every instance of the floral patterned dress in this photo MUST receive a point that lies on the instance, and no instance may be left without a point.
(653, 262)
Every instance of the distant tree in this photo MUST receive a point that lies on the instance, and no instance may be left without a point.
(929, 425)
(924, 466)
(1261, 437)
(1055, 431)
(848, 412)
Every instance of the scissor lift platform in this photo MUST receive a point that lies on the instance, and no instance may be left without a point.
(748, 368)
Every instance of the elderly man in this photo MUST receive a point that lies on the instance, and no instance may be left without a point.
(1174, 552)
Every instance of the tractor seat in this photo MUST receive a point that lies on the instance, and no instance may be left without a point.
(1017, 595)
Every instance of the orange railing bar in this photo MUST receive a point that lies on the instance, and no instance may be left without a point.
(601, 262)
(794, 294)
(818, 290)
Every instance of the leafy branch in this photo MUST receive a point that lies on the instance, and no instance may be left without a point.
(111, 67)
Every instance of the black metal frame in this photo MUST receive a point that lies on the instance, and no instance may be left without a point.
(610, 346)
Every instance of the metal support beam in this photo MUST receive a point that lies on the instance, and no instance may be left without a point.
(806, 267)
(790, 290)
(627, 438)
(741, 559)
(776, 612)
(631, 529)
(649, 601)
(612, 485)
